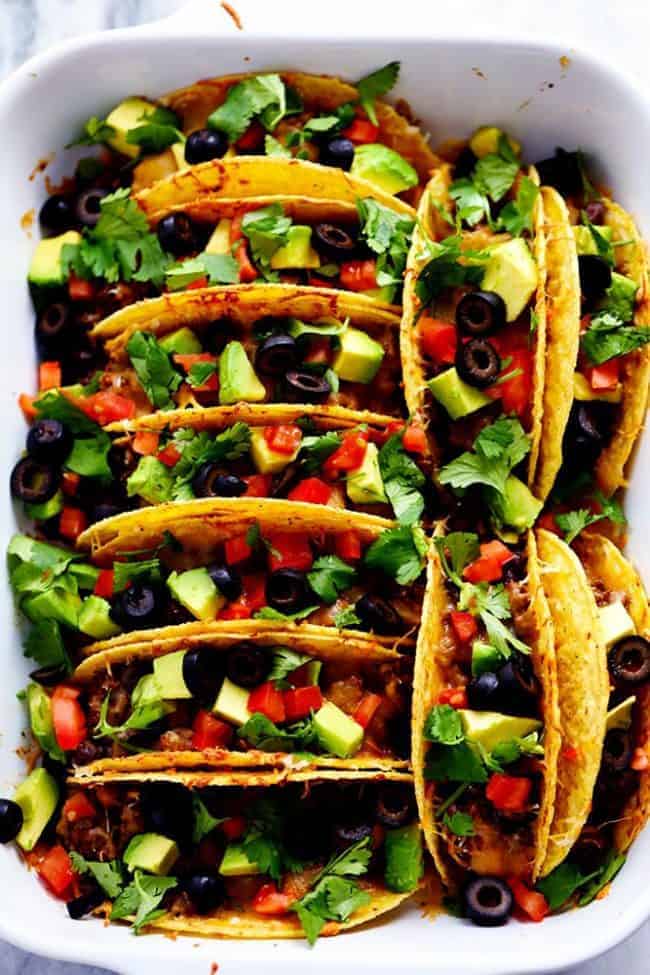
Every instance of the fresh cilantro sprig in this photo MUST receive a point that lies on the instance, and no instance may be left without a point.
(376, 84)
(267, 231)
(314, 451)
(495, 172)
(94, 132)
(204, 821)
(330, 576)
(89, 454)
(346, 618)
(260, 732)
(609, 337)
(403, 480)
(459, 823)
(567, 880)
(197, 449)
(399, 552)
(516, 217)
(285, 661)
(496, 451)
(387, 234)
(140, 718)
(109, 875)
(142, 898)
(157, 130)
(263, 842)
(154, 369)
(445, 269)
(334, 896)
(264, 97)
(218, 268)
(125, 573)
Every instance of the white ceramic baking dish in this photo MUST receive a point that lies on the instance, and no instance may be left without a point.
(453, 84)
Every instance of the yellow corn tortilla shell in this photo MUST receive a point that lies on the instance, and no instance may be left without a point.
(202, 779)
(583, 686)
(604, 563)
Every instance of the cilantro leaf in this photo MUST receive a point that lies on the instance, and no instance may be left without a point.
(334, 897)
(501, 638)
(94, 132)
(574, 522)
(267, 231)
(472, 206)
(560, 884)
(494, 175)
(142, 897)
(262, 733)
(314, 451)
(399, 552)
(507, 752)
(268, 613)
(204, 821)
(44, 644)
(154, 369)
(456, 550)
(454, 763)
(285, 661)
(610, 508)
(606, 874)
(608, 337)
(330, 576)
(402, 479)
(388, 234)
(469, 469)
(125, 573)
(459, 823)
(91, 444)
(263, 841)
(346, 618)
(139, 719)
(201, 448)
(375, 85)
(604, 246)
(445, 270)
(218, 268)
(497, 449)
(158, 130)
(504, 439)
(444, 726)
(200, 372)
(108, 875)
(263, 97)
(517, 216)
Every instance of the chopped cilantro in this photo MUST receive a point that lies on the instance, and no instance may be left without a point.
(333, 896)
(517, 216)
(496, 451)
(260, 732)
(158, 130)
(346, 618)
(445, 270)
(142, 898)
(375, 85)
(125, 573)
(456, 550)
(608, 337)
(399, 552)
(444, 726)
(139, 719)
(572, 523)
(387, 234)
(330, 576)
(285, 661)
(268, 613)
(154, 369)
(94, 132)
(459, 823)
(314, 451)
(204, 821)
(267, 230)
(263, 97)
(218, 268)
(200, 372)
(403, 480)
(495, 173)
(108, 875)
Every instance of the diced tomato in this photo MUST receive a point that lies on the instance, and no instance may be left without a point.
(210, 732)
(359, 275)
(515, 393)
(68, 717)
(464, 626)
(488, 567)
(105, 583)
(415, 439)
(456, 697)
(234, 827)
(270, 900)
(169, 455)
(56, 870)
(72, 522)
(299, 702)
(365, 709)
(190, 359)
(201, 282)
(253, 597)
(237, 549)
(509, 793)
(106, 407)
(640, 760)
(312, 490)
(348, 456)
(252, 138)
(531, 902)
(289, 550)
(315, 282)
(547, 521)
(268, 700)
(570, 753)
(257, 485)
(78, 806)
(70, 483)
(26, 404)
(319, 350)
(49, 376)
(145, 442)
(361, 132)
(605, 377)
(438, 339)
(348, 546)
(284, 438)
(247, 270)
(79, 289)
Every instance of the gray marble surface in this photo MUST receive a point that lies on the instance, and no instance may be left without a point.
(617, 29)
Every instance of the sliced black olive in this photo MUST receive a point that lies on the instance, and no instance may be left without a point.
(56, 215)
(395, 805)
(248, 665)
(480, 313)
(287, 590)
(515, 569)
(586, 433)
(629, 660)
(85, 904)
(49, 676)
(337, 152)
(11, 820)
(137, 607)
(378, 615)
(276, 355)
(81, 363)
(205, 890)
(33, 482)
(58, 770)
(561, 171)
(484, 692)
(203, 671)
(488, 901)
(595, 212)
(595, 277)
(226, 579)
(85, 753)
(306, 387)
(518, 686)
(175, 615)
(167, 809)
(464, 165)
(104, 510)
(478, 362)
(205, 144)
(210, 482)
(52, 331)
(590, 850)
(49, 441)
(350, 831)
(617, 750)
(306, 835)
(176, 234)
(88, 206)
(333, 242)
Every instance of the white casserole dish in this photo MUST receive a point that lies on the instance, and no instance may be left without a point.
(453, 85)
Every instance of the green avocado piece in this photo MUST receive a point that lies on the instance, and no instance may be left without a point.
(37, 797)
(455, 395)
(168, 677)
(196, 591)
(54, 604)
(384, 167)
(235, 863)
(39, 710)
(621, 715)
(124, 117)
(338, 734)
(485, 141)
(46, 270)
(267, 460)
(385, 294)
(585, 243)
(237, 379)
(358, 357)
(364, 485)
(620, 297)
(86, 575)
(46, 509)
(314, 668)
(151, 852)
(151, 480)
(232, 703)
(95, 619)
(490, 728)
(297, 252)
(182, 342)
(404, 858)
(615, 623)
(517, 507)
(485, 658)
(512, 273)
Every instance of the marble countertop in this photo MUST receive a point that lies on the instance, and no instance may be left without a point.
(616, 30)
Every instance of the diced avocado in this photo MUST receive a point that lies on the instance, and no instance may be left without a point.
(267, 460)
(95, 619)
(512, 273)
(358, 357)
(485, 141)
(219, 242)
(232, 703)
(404, 859)
(46, 509)
(86, 575)
(490, 728)
(183, 342)
(237, 378)
(621, 715)
(385, 294)
(615, 623)
(46, 270)
(337, 733)
(620, 297)
(384, 167)
(146, 691)
(297, 252)
(168, 677)
(39, 709)
(54, 604)
(235, 863)
(517, 506)
(314, 668)
(37, 797)
(364, 485)
(124, 117)
(583, 392)
(151, 480)
(151, 852)
(585, 242)
(196, 591)
(455, 395)
(485, 658)
(178, 151)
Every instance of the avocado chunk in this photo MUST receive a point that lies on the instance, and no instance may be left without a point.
(489, 728)
(314, 668)
(516, 507)
(182, 342)
(219, 242)
(177, 150)
(485, 141)
(151, 480)
(46, 269)
(267, 460)
(385, 294)
(364, 485)
(404, 859)
(338, 734)
(455, 395)
(615, 623)
(124, 117)
(54, 604)
(95, 618)
(232, 703)
(485, 658)
(86, 575)
(585, 241)
(583, 392)
(383, 167)
(358, 357)
(196, 591)
(620, 297)
(512, 273)
(168, 677)
(40, 721)
(37, 797)
(235, 863)
(297, 252)
(46, 509)
(237, 378)
(151, 852)
(621, 715)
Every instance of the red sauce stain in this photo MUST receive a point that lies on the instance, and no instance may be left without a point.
(41, 166)
(232, 13)
(214, 968)
(67, 185)
(27, 221)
